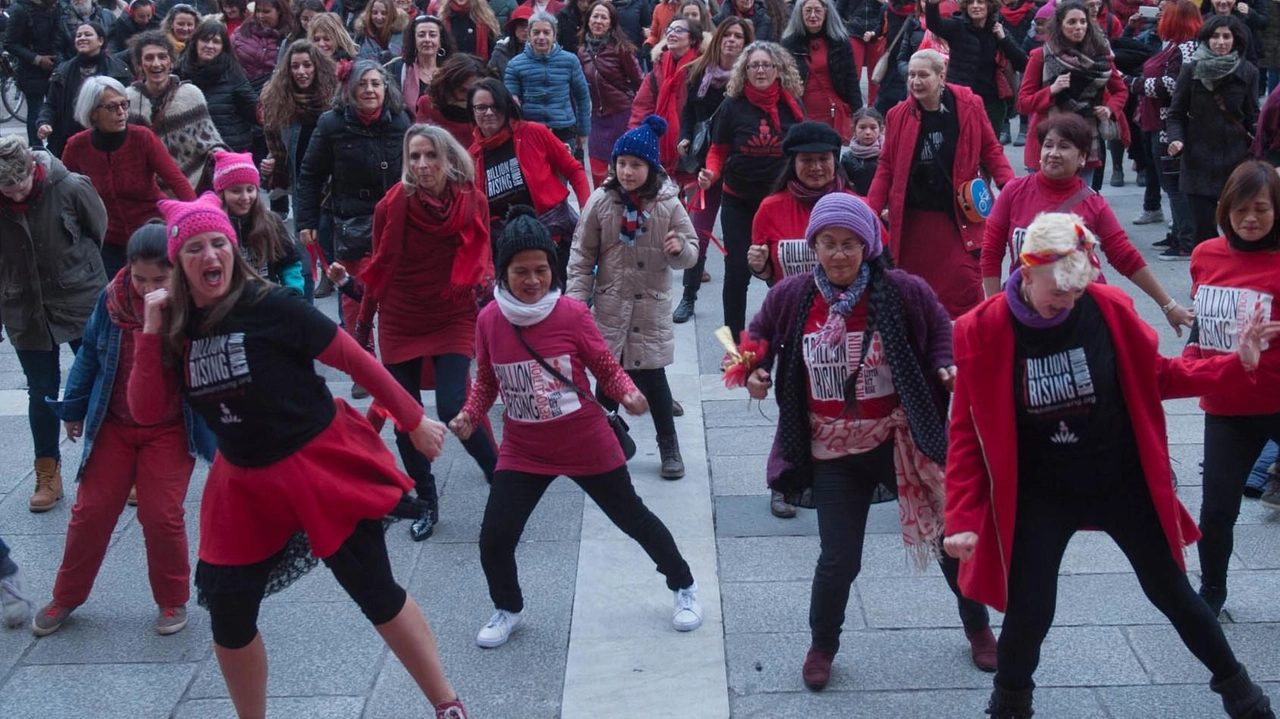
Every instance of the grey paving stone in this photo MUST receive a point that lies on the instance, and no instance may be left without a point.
(931, 703)
(770, 607)
(908, 602)
(1166, 702)
(739, 475)
(738, 516)
(1185, 429)
(740, 413)
(14, 643)
(94, 691)
(1169, 662)
(737, 442)
(767, 559)
(1258, 546)
(1186, 462)
(558, 517)
(310, 707)
(101, 633)
(1253, 596)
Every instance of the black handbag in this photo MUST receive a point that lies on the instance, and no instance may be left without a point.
(616, 422)
(353, 237)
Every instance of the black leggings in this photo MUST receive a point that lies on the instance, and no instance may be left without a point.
(736, 217)
(1231, 446)
(653, 384)
(842, 491)
(360, 565)
(1044, 526)
(1204, 215)
(513, 497)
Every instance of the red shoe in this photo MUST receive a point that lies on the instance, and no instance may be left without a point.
(817, 669)
(982, 647)
(451, 710)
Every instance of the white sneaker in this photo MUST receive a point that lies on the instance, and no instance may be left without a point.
(13, 597)
(499, 629)
(688, 613)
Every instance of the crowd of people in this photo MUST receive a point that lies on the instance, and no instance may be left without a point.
(500, 196)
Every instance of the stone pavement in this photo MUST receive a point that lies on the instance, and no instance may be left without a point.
(599, 642)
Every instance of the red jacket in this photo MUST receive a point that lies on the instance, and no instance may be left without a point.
(977, 150)
(542, 156)
(126, 179)
(982, 459)
(1035, 100)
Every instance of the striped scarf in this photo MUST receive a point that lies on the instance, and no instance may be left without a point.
(633, 219)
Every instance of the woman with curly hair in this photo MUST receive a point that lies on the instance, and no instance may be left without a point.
(379, 30)
(473, 26)
(762, 102)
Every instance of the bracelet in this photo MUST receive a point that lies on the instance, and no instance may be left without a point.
(1169, 307)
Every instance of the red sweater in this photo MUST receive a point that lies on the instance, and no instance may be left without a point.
(1034, 99)
(126, 178)
(982, 458)
(1228, 285)
(548, 428)
(544, 160)
(1028, 196)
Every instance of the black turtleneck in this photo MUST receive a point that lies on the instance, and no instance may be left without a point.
(108, 142)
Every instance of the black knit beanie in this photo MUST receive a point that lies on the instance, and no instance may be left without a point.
(525, 232)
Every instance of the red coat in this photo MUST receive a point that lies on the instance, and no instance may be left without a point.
(977, 150)
(126, 179)
(982, 459)
(1035, 100)
(543, 159)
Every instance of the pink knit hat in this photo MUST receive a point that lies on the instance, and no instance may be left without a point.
(233, 168)
(185, 220)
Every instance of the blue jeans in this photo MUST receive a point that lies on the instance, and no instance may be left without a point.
(44, 379)
(1258, 477)
(1272, 77)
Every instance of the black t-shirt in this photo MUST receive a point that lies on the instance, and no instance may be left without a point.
(504, 182)
(755, 149)
(929, 186)
(1074, 430)
(253, 381)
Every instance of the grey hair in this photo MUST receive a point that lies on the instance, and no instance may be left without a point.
(15, 159)
(544, 16)
(346, 97)
(832, 27)
(91, 93)
(1059, 233)
(461, 168)
(934, 58)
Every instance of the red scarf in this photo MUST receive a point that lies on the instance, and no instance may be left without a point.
(368, 118)
(482, 31)
(461, 211)
(675, 77)
(37, 189)
(1013, 16)
(767, 101)
(124, 304)
(497, 139)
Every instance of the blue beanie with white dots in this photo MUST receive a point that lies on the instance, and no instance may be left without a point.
(642, 142)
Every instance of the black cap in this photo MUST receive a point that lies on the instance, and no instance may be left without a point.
(809, 136)
(524, 231)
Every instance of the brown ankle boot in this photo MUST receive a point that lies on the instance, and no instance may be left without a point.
(48, 485)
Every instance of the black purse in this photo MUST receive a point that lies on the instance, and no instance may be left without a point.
(353, 237)
(616, 422)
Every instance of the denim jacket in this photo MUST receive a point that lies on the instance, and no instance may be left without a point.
(92, 379)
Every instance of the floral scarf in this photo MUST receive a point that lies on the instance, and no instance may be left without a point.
(840, 301)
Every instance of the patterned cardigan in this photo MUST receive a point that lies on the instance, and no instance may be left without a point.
(183, 124)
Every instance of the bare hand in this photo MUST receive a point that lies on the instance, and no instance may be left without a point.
(758, 258)
(580, 143)
(706, 178)
(683, 147)
(998, 29)
(337, 273)
(1180, 317)
(45, 62)
(868, 36)
(1255, 337)
(1174, 148)
(75, 430)
(462, 426)
(1102, 112)
(947, 375)
(758, 384)
(635, 403)
(961, 546)
(1061, 83)
(268, 166)
(308, 237)
(44, 132)
(672, 244)
(1242, 8)
(154, 305)
(428, 437)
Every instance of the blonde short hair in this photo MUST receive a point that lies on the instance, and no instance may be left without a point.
(1062, 235)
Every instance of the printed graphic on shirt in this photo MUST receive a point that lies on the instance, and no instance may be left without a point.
(1019, 237)
(503, 178)
(532, 394)
(829, 367)
(1058, 382)
(228, 417)
(1220, 310)
(931, 147)
(795, 257)
(766, 142)
(1064, 435)
(217, 364)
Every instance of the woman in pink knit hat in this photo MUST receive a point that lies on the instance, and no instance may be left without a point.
(261, 234)
(298, 475)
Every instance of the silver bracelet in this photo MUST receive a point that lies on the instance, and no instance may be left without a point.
(1169, 307)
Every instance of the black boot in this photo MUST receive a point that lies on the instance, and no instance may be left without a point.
(684, 310)
(1242, 698)
(1007, 704)
(425, 525)
(672, 462)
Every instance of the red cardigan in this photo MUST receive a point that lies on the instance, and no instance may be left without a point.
(977, 149)
(126, 179)
(982, 458)
(1034, 99)
(542, 156)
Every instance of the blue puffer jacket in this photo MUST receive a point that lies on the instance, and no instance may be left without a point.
(552, 89)
(91, 381)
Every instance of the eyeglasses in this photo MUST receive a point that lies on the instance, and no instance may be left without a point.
(677, 30)
(847, 249)
(761, 66)
(484, 109)
(122, 106)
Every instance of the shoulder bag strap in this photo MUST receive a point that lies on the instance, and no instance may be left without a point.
(547, 366)
(1081, 195)
(1222, 105)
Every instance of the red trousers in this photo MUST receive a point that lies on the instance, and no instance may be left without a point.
(867, 54)
(157, 460)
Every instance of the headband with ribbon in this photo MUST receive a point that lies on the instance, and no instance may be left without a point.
(1084, 243)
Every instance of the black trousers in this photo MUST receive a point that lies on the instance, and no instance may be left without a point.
(736, 216)
(114, 258)
(1204, 211)
(451, 372)
(1046, 521)
(653, 384)
(842, 490)
(1231, 445)
(513, 497)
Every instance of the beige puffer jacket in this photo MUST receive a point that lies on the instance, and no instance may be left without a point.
(631, 299)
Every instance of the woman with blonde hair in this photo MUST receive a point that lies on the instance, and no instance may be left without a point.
(379, 30)
(473, 26)
(330, 36)
(179, 25)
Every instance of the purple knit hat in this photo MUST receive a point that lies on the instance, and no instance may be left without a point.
(840, 209)
(184, 220)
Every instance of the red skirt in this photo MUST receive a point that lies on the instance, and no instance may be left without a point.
(930, 247)
(344, 475)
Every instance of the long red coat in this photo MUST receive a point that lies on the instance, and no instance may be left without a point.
(977, 149)
(1034, 99)
(982, 459)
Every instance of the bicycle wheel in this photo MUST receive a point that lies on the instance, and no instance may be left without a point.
(15, 103)
(5, 114)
